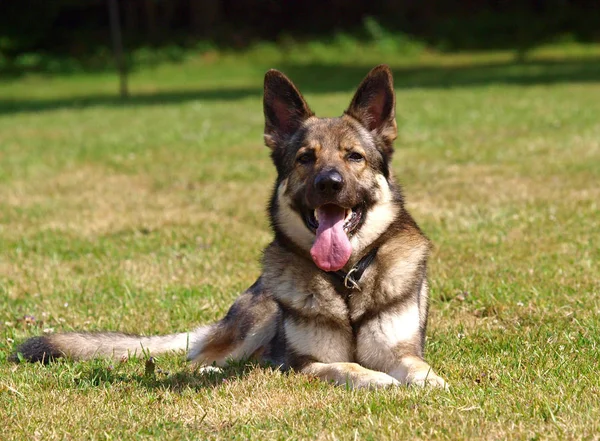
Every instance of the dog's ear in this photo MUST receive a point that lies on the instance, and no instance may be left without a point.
(374, 104)
(285, 108)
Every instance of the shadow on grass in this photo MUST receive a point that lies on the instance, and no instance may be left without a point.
(326, 78)
(101, 100)
(98, 372)
(319, 78)
(196, 380)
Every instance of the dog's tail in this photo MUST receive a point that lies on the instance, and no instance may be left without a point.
(85, 346)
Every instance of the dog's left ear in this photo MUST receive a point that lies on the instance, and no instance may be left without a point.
(285, 108)
(374, 104)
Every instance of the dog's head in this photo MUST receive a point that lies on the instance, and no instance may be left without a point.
(333, 195)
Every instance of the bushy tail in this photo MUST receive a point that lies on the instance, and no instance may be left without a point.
(85, 346)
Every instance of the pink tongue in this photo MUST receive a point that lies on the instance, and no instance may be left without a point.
(331, 249)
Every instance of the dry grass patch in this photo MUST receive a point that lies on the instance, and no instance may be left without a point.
(150, 217)
(92, 201)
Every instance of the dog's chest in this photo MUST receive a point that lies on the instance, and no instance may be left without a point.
(302, 291)
(327, 325)
(323, 322)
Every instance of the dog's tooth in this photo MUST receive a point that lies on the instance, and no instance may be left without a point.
(316, 215)
(348, 214)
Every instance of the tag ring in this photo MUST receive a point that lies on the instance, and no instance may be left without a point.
(349, 282)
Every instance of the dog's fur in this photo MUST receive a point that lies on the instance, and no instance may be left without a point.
(297, 315)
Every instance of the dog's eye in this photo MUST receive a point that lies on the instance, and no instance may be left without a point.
(306, 158)
(356, 157)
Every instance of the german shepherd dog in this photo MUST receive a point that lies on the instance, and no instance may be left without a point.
(343, 295)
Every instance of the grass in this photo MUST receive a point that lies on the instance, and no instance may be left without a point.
(148, 216)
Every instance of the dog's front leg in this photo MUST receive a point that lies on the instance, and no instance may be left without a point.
(414, 370)
(393, 342)
(349, 374)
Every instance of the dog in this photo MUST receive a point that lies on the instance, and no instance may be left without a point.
(343, 295)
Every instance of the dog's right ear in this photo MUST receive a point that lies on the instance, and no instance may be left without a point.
(285, 108)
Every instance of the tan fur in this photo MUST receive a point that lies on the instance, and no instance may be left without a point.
(414, 370)
(318, 341)
(378, 220)
(85, 345)
(290, 221)
(378, 339)
(351, 375)
(296, 315)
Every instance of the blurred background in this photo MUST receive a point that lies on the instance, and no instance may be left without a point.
(70, 35)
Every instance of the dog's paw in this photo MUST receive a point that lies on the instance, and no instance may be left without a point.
(205, 370)
(427, 378)
(373, 380)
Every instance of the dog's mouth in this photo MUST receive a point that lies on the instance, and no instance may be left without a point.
(333, 226)
(352, 218)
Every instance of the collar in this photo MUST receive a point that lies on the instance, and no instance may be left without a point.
(351, 278)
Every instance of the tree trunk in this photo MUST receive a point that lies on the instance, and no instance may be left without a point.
(115, 32)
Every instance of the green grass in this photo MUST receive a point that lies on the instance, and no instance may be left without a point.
(148, 216)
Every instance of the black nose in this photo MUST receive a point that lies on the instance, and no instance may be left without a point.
(329, 182)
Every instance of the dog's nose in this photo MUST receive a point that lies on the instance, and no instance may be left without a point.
(329, 182)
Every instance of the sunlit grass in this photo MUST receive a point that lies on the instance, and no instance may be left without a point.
(149, 216)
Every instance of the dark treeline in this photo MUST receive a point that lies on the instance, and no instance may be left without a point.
(79, 27)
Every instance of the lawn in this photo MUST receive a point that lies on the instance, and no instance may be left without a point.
(148, 216)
